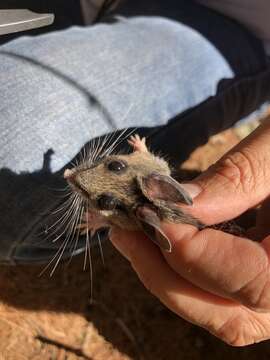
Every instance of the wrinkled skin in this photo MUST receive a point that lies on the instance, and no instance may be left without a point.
(216, 280)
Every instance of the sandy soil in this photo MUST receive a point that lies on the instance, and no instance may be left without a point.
(52, 318)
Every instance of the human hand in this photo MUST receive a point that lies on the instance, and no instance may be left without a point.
(213, 279)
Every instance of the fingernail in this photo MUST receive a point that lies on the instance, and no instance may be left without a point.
(192, 189)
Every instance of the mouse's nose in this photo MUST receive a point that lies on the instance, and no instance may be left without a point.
(71, 178)
(77, 181)
(68, 173)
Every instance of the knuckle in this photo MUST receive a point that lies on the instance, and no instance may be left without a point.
(262, 301)
(256, 293)
(242, 330)
(194, 249)
(233, 332)
(239, 171)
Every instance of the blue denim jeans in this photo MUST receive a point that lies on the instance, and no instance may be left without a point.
(179, 73)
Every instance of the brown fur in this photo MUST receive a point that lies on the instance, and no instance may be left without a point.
(127, 187)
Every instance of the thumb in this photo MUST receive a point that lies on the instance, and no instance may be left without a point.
(237, 182)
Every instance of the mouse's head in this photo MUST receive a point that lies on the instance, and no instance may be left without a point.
(112, 183)
(131, 191)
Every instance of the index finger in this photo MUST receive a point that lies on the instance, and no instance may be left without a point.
(235, 183)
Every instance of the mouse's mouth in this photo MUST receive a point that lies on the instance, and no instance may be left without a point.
(80, 190)
(71, 178)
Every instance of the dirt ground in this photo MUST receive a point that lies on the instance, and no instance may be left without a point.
(52, 318)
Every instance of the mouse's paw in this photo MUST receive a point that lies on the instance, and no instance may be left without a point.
(91, 222)
(138, 143)
(83, 228)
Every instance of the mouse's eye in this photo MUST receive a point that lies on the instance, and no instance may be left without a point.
(117, 166)
(107, 202)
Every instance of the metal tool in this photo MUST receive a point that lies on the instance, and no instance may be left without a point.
(15, 20)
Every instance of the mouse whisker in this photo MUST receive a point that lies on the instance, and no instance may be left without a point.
(88, 152)
(101, 146)
(91, 151)
(85, 153)
(66, 194)
(100, 249)
(88, 252)
(67, 204)
(64, 219)
(110, 147)
(61, 250)
(90, 146)
(105, 144)
(52, 260)
(109, 137)
(64, 206)
(62, 189)
(73, 163)
(79, 157)
(96, 150)
(122, 137)
(76, 234)
(127, 113)
(86, 244)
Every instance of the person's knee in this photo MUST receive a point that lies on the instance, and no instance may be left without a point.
(142, 71)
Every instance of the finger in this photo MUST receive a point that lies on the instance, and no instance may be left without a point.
(123, 240)
(221, 263)
(221, 317)
(237, 182)
(161, 280)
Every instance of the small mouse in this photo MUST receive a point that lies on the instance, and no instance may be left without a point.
(133, 191)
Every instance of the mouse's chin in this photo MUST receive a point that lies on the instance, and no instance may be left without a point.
(95, 219)
(79, 190)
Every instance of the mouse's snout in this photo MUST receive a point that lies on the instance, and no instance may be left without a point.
(78, 181)
(70, 176)
(68, 173)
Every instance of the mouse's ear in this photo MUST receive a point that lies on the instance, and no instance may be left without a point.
(163, 187)
(151, 226)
